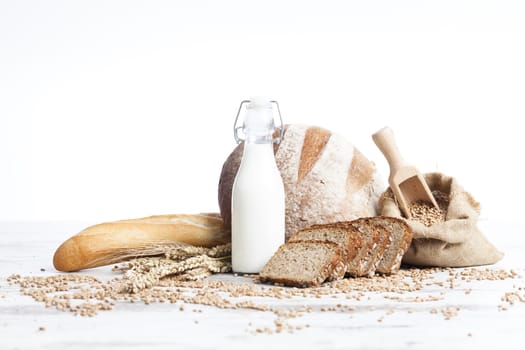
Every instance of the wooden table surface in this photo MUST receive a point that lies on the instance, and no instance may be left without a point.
(26, 248)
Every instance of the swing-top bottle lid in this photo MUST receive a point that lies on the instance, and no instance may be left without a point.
(259, 102)
(258, 122)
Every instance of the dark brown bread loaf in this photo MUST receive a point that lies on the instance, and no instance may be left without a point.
(303, 263)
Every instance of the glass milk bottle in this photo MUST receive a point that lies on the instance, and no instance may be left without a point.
(258, 206)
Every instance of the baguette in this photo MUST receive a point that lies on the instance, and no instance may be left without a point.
(116, 241)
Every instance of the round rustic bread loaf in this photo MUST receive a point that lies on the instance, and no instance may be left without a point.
(326, 179)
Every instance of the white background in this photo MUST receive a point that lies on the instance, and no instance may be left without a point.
(120, 109)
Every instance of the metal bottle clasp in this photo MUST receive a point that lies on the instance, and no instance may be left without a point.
(237, 127)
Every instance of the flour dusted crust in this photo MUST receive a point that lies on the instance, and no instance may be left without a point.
(319, 195)
(326, 179)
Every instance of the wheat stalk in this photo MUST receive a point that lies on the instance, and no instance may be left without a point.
(186, 262)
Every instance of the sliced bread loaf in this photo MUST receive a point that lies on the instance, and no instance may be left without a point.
(344, 235)
(375, 242)
(303, 263)
(401, 237)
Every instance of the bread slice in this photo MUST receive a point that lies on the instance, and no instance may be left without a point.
(303, 263)
(375, 242)
(346, 236)
(401, 236)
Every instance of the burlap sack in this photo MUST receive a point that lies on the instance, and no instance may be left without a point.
(457, 242)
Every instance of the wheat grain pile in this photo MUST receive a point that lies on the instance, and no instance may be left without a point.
(84, 295)
(176, 274)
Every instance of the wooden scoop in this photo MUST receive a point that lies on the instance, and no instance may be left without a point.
(405, 180)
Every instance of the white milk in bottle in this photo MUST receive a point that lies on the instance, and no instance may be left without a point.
(258, 206)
